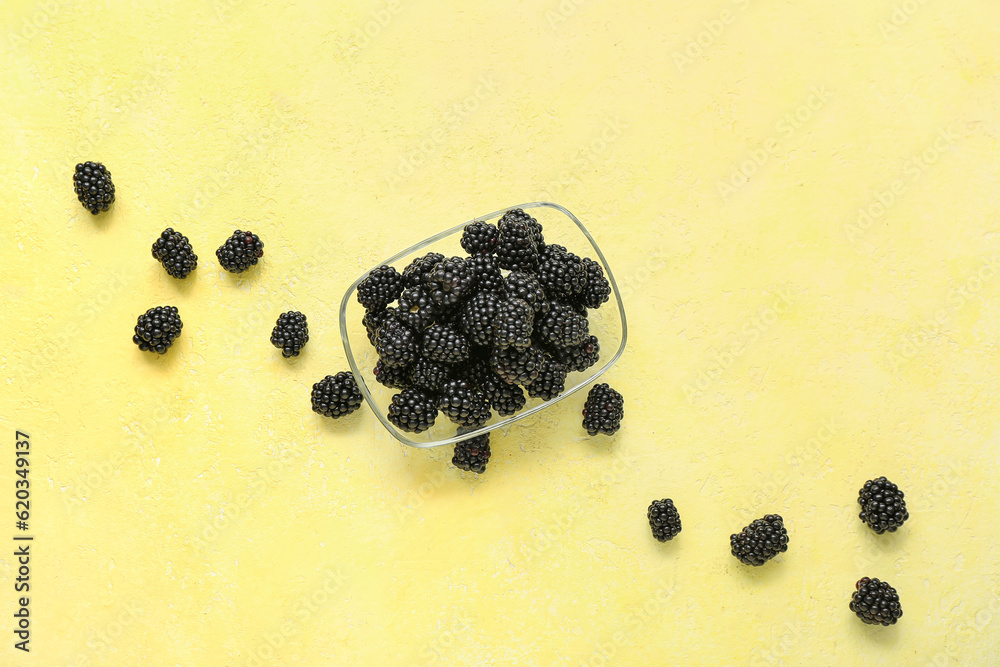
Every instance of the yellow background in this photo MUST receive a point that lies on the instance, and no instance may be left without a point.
(784, 347)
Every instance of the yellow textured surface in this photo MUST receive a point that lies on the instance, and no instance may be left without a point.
(784, 346)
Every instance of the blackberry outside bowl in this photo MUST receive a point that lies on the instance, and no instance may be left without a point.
(607, 323)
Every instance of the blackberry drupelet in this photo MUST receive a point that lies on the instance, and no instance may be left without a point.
(374, 319)
(336, 395)
(561, 273)
(596, 290)
(664, 519)
(761, 541)
(156, 329)
(450, 281)
(603, 411)
(93, 187)
(533, 225)
(579, 357)
(551, 380)
(505, 398)
(517, 247)
(394, 377)
(561, 326)
(412, 410)
(415, 271)
(486, 274)
(429, 375)
(513, 324)
(290, 333)
(876, 602)
(479, 238)
(442, 342)
(520, 285)
(396, 344)
(381, 286)
(416, 307)
(478, 317)
(882, 505)
(240, 251)
(173, 250)
(517, 366)
(473, 454)
(464, 403)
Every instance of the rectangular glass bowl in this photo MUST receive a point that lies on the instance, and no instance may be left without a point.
(607, 323)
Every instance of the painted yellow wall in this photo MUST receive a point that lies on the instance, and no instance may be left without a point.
(799, 199)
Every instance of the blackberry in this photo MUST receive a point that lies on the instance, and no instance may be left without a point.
(876, 602)
(156, 329)
(416, 308)
(478, 317)
(173, 250)
(429, 375)
(473, 454)
(290, 333)
(533, 225)
(415, 271)
(551, 380)
(882, 505)
(517, 366)
(442, 342)
(381, 286)
(561, 273)
(761, 541)
(513, 325)
(336, 395)
(517, 247)
(93, 187)
(524, 286)
(505, 398)
(450, 281)
(486, 274)
(412, 410)
(579, 357)
(596, 290)
(240, 251)
(664, 519)
(464, 404)
(561, 327)
(395, 343)
(479, 238)
(603, 411)
(394, 377)
(374, 319)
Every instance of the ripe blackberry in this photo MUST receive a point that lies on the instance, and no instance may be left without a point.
(596, 289)
(290, 333)
(93, 187)
(415, 271)
(882, 505)
(442, 342)
(524, 286)
(761, 541)
(517, 247)
(486, 274)
(381, 286)
(416, 308)
(533, 225)
(505, 398)
(156, 329)
(664, 519)
(513, 324)
(517, 366)
(396, 344)
(336, 395)
(429, 375)
(561, 327)
(412, 410)
(579, 357)
(603, 411)
(240, 251)
(173, 250)
(479, 238)
(478, 317)
(394, 377)
(450, 281)
(561, 273)
(464, 404)
(876, 602)
(374, 319)
(551, 380)
(473, 454)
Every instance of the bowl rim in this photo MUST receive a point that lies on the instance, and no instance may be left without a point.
(511, 419)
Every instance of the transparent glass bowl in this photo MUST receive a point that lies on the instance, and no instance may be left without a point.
(607, 323)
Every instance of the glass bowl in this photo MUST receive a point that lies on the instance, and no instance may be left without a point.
(607, 323)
